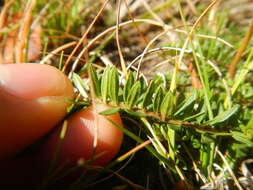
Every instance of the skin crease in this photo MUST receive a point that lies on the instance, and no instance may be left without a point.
(33, 100)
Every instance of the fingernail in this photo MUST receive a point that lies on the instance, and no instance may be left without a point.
(30, 80)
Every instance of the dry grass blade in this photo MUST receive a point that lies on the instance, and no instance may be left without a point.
(122, 178)
(197, 170)
(179, 60)
(146, 49)
(3, 17)
(245, 42)
(138, 30)
(194, 76)
(84, 37)
(57, 50)
(170, 86)
(130, 183)
(122, 61)
(192, 6)
(135, 21)
(24, 31)
(230, 170)
(4, 12)
(149, 9)
(40, 15)
(135, 149)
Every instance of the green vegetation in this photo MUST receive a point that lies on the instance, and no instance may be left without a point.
(179, 72)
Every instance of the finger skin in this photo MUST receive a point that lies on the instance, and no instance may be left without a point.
(28, 170)
(78, 142)
(33, 100)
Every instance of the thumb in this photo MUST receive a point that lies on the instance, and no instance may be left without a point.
(33, 100)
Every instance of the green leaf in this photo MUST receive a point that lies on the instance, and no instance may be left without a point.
(143, 83)
(187, 102)
(110, 111)
(248, 129)
(94, 80)
(159, 80)
(84, 69)
(167, 104)
(207, 139)
(149, 148)
(105, 84)
(158, 96)
(250, 124)
(128, 85)
(114, 85)
(241, 138)
(147, 99)
(80, 85)
(194, 117)
(133, 113)
(223, 116)
(133, 95)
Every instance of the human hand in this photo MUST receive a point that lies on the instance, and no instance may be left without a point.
(33, 100)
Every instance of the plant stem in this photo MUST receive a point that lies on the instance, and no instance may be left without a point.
(237, 57)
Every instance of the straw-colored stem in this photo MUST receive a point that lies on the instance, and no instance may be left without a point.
(237, 57)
